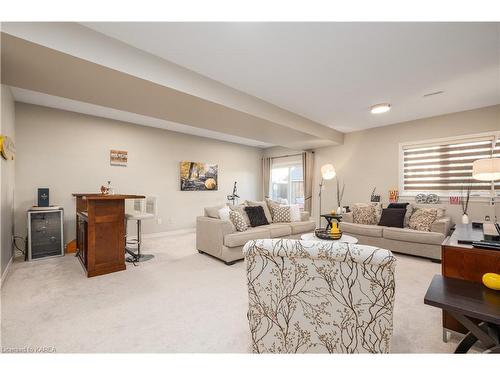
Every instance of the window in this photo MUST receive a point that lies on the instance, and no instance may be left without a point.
(287, 180)
(446, 165)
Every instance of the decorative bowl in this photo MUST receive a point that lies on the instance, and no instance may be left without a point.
(325, 234)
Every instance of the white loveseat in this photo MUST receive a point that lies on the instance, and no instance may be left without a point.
(322, 297)
(401, 240)
(220, 238)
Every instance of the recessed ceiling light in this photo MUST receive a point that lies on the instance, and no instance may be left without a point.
(380, 108)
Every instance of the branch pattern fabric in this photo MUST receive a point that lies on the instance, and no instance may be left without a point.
(316, 296)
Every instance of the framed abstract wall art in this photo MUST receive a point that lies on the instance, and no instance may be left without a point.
(198, 176)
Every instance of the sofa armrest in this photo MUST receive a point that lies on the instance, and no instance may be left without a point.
(347, 217)
(210, 234)
(442, 225)
(305, 216)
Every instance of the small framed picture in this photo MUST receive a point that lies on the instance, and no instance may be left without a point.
(118, 157)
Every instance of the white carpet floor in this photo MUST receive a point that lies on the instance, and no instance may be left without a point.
(181, 301)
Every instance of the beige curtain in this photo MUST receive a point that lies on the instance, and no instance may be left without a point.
(266, 176)
(308, 168)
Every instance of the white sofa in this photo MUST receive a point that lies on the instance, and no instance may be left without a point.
(400, 240)
(321, 297)
(220, 239)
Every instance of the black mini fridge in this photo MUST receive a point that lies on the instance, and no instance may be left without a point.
(45, 233)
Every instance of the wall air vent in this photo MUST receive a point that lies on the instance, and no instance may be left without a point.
(433, 93)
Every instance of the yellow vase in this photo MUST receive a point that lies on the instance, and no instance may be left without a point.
(492, 280)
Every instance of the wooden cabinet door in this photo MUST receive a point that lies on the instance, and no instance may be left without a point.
(81, 240)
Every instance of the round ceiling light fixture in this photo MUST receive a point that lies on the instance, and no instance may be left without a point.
(380, 108)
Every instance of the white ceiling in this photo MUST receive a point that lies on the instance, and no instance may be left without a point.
(333, 72)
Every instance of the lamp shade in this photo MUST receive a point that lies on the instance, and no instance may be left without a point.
(486, 169)
(328, 172)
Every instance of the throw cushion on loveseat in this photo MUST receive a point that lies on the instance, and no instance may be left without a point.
(256, 216)
(422, 219)
(364, 214)
(398, 205)
(409, 210)
(392, 217)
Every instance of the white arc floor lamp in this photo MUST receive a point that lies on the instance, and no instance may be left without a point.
(487, 170)
(327, 173)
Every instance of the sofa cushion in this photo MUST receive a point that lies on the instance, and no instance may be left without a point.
(440, 208)
(256, 216)
(282, 214)
(364, 214)
(422, 219)
(224, 213)
(237, 219)
(241, 209)
(299, 227)
(398, 205)
(264, 206)
(214, 211)
(271, 205)
(410, 235)
(393, 217)
(279, 230)
(241, 238)
(362, 229)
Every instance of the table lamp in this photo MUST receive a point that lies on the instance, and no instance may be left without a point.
(327, 173)
(487, 170)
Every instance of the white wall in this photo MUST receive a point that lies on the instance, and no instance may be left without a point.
(370, 158)
(7, 181)
(69, 153)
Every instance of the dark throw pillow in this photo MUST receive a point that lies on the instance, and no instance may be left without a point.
(393, 217)
(256, 215)
(398, 205)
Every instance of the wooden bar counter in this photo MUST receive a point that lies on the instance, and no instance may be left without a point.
(100, 232)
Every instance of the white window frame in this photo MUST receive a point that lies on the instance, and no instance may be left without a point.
(285, 164)
(438, 141)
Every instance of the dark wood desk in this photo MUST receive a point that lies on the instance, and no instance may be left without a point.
(100, 232)
(465, 301)
(464, 262)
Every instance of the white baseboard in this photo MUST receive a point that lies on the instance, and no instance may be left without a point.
(168, 233)
(6, 272)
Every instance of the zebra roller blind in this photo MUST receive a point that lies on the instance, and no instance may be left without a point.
(447, 166)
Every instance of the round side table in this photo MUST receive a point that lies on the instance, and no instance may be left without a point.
(345, 238)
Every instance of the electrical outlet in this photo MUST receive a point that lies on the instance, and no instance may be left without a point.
(158, 220)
